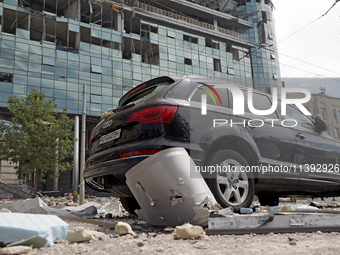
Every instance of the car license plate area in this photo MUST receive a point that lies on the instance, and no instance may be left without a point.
(110, 137)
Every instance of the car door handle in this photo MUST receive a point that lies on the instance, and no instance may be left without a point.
(300, 136)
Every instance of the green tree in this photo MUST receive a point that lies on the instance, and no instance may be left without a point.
(38, 138)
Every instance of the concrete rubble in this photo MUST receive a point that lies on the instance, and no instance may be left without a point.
(79, 235)
(103, 229)
(5, 210)
(188, 231)
(123, 228)
(177, 197)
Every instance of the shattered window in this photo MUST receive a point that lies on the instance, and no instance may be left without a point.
(187, 61)
(6, 77)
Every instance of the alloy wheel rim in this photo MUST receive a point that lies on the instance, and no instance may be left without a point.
(232, 183)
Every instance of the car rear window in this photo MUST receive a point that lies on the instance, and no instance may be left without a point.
(145, 94)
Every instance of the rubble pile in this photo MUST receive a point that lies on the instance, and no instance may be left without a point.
(176, 205)
(130, 229)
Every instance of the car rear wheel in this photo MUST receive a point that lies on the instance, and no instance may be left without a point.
(130, 204)
(268, 199)
(231, 185)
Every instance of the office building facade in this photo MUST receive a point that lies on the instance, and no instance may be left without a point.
(264, 56)
(57, 46)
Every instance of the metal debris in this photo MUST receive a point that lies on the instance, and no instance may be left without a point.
(178, 195)
(278, 222)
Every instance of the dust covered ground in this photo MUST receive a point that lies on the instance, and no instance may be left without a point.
(158, 240)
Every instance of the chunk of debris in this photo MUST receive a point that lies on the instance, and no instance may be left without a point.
(187, 231)
(17, 226)
(179, 193)
(35, 242)
(15, 250)
(123, 228)
(5, 210)
(286, 208)
(79, 235)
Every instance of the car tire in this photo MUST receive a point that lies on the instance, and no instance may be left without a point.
(235, 189)
(130, 204)
(268, 199)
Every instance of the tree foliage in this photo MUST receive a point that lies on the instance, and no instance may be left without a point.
(38, 137)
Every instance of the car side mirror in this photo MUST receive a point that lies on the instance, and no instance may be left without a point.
(320, 124)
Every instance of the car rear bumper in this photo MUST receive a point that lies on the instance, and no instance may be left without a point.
(110, 175)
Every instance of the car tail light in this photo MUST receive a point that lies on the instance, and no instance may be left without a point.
(155, 114)
(93, 138)
(138, 153)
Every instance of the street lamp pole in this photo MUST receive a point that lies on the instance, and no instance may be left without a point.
(82, 151)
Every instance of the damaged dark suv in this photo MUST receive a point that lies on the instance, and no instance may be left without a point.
(168, 112)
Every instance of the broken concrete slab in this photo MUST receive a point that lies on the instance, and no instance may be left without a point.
(123, 228)
(17, 226)
(37, 206)
(188, 231)
(177, 194)
(34, 205)
(79, 235)
(280, 222)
